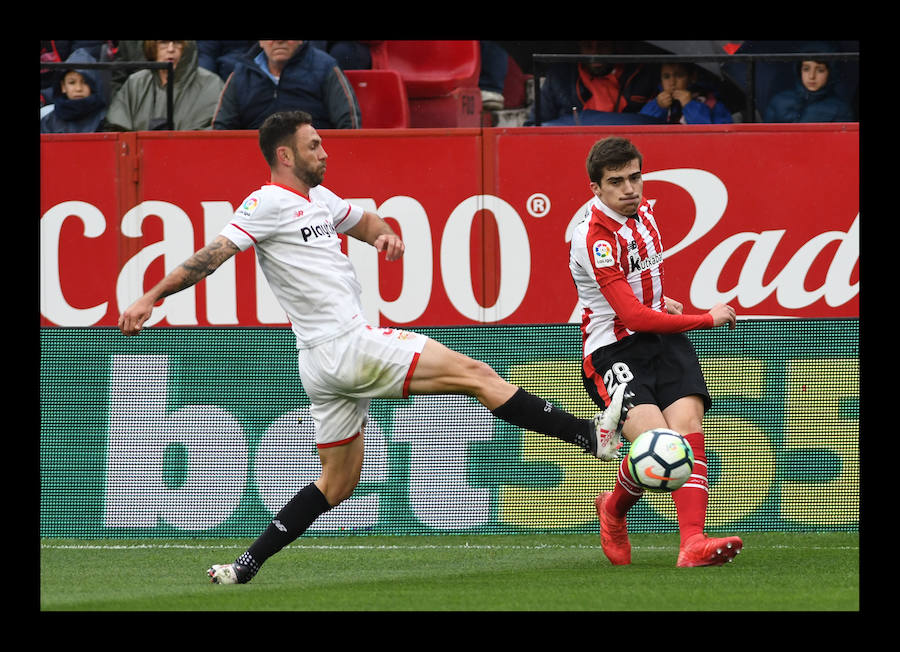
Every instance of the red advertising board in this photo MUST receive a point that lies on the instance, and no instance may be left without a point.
(765, 217)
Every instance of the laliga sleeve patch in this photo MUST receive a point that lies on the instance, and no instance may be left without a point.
(603, 254)
(250, 204)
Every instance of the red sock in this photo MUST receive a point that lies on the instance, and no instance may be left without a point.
(626, 493)
(691, 499)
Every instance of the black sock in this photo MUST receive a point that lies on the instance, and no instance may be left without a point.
(289, 523)
(534, 413)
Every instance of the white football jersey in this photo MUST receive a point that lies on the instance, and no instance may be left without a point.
(297, 245)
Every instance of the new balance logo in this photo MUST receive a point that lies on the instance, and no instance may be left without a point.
(278, 524)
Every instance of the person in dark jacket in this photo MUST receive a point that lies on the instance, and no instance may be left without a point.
(596, 88)
(287, 75)
(812, 99)
(220, 56)
(78, 104)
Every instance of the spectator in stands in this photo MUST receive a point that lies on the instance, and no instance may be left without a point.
(221, 56)
(287, 75)
(491, 81)
(78, 105)
(812, 99)
(58, 51)
(684, 99)
(127, 50)
(596, 88)
(350, 55)
(141, 102)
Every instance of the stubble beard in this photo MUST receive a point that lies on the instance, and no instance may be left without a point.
(310, 177)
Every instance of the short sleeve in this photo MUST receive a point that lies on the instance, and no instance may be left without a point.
(348, 218)
(343, 214)
(254, 220)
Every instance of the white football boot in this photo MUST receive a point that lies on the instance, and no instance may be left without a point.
(229, 574)
(607, 439)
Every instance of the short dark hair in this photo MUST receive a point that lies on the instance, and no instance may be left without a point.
(612, 152)
(278, 130)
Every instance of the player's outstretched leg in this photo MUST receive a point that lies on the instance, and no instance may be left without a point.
(701, 550)
(441, 370)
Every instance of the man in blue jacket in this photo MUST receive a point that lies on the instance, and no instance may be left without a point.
(287, 75)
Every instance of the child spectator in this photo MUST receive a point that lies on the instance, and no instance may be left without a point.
(812, 99)
(682, 99)
(78, 104)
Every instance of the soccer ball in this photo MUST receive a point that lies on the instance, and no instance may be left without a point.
(660, 460)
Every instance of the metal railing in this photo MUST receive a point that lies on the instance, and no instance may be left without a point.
(750, 59)
(120, 65)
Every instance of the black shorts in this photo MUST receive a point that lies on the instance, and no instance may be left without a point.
(660, 368)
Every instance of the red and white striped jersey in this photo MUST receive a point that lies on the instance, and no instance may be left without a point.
(617, 266)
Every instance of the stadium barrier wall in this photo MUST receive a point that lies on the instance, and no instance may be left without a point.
(205, 432)
(762, 216)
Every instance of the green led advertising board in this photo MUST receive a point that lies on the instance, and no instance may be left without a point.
(206, 432)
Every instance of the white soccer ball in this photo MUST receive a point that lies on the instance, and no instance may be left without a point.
(660, 460)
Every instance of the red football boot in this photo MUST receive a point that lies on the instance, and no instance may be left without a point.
(613, 533)
(701, 550)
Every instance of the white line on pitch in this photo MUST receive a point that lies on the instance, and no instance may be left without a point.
(465, 546)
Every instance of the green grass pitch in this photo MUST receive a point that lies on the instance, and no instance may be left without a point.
(775, 572)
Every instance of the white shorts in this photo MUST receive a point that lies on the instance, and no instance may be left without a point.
(342, 375)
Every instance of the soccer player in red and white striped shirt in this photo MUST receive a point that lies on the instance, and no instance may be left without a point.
(634, 334)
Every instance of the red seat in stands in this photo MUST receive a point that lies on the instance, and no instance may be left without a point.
(382, 98)
(430, 68)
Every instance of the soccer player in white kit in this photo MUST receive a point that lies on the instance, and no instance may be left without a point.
(634, 334)
(293, 223)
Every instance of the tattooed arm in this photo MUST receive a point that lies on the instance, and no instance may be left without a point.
(190, 272)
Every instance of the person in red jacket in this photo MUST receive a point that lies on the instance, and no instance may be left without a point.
(634, 334)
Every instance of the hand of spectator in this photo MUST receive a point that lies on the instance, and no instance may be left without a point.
(682, 96)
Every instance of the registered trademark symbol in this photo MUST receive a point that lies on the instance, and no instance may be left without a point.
(538, 205)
